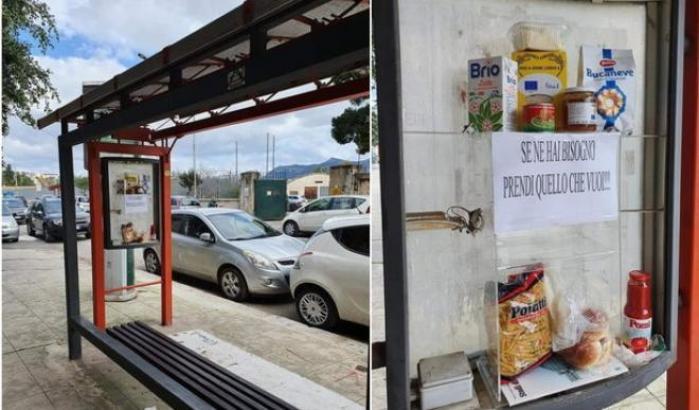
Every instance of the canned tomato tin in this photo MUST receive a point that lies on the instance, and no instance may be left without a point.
(539, 117)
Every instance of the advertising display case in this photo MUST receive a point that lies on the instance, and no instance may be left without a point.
(579, 205)
(131, 192)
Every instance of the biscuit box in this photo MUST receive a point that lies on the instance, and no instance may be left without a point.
(541, 73)
(492, 94)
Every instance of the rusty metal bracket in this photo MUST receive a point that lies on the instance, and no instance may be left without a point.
(454, 218)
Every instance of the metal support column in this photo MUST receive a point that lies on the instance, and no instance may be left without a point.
(97, 237)
(70, 242)
(165, 242)
(392, 206)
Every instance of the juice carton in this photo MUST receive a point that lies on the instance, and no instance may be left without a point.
(541, 73)
(492, 94)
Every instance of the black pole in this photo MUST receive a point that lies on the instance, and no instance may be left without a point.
(392, 202)
(70, 243)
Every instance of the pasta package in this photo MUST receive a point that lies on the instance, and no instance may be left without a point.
(525, 326)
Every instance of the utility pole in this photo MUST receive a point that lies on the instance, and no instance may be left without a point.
(274, 144)
(236, 159)
(267, 158)
(194, 156)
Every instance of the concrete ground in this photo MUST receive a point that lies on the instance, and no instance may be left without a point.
(38, 375)
(650, 398)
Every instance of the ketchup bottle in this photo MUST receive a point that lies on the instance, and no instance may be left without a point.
(638, 318)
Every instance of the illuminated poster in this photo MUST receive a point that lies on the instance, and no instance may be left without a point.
(131, 199)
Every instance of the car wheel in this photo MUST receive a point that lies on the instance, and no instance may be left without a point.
(316, 308)
(291, 228)
(150, 259)
(233, 285)
(30, 230)
(47, 236)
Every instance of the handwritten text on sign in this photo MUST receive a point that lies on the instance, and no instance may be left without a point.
(543, 180)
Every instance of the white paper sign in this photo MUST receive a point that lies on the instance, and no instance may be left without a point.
(136, 204)
(542, 180)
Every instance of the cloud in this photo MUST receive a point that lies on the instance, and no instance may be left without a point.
(126, 27)
(100, 39)
(30, 149)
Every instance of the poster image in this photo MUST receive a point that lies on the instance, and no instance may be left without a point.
(132, 197)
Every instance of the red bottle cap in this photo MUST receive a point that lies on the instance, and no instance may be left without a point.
(639, 276)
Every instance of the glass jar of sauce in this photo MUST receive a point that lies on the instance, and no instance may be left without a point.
(579, 110)
(638, 317)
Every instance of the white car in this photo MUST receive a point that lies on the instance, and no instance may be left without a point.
(330, 280)
(311, 217)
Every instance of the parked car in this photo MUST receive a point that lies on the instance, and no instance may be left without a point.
(311, 217)
(17, 206)
(181, 201)
(239, 252)
(330, 281)
(10, 229)
(46, 219)
(83, 203)
(295, 202)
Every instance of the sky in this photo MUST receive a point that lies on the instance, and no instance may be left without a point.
(99, 39)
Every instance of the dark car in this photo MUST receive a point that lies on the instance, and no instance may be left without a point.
(46, 219)
(17, 206)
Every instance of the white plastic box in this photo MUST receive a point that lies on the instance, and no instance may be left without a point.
(445, 380)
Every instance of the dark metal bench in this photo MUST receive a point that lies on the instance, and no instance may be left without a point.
(210, 382)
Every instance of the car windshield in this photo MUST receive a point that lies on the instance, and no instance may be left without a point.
(237, 226)
(52, 206)
(13, 203)
(5, 209)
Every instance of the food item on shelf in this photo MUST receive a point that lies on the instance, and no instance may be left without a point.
(612, 73)
(595, 345)
(638, 318)
(579, 110)
(539, 117)
(540, 72)
(532, 35)
(525, 329)
(492, 94)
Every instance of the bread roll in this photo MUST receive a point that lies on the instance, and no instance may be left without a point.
(595, 346)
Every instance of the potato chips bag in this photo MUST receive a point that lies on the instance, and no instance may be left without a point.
(612, 73)
(525, 328)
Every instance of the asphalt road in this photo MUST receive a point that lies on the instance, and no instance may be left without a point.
(281, 306)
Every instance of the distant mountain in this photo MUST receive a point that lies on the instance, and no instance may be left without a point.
(297, 170)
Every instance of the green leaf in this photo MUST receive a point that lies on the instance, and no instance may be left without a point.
(488, 111)
(472, 118)
(496, 117)
(485, 103)
(497, 127)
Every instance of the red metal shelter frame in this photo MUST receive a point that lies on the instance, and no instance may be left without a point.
(94, 149)
(683, 377)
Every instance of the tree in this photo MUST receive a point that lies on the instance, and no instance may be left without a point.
(82, 183)
(353, 124)
(186, 180)
(25, 84)
(15, 178)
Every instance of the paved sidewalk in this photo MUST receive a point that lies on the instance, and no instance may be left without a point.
(38, 375)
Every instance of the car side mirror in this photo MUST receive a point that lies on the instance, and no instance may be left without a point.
(303, 210)
(206, 237)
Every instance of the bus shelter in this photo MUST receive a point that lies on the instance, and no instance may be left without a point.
(261, 59)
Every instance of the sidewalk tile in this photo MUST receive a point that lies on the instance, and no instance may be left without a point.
(35, 402)
(17, 382)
